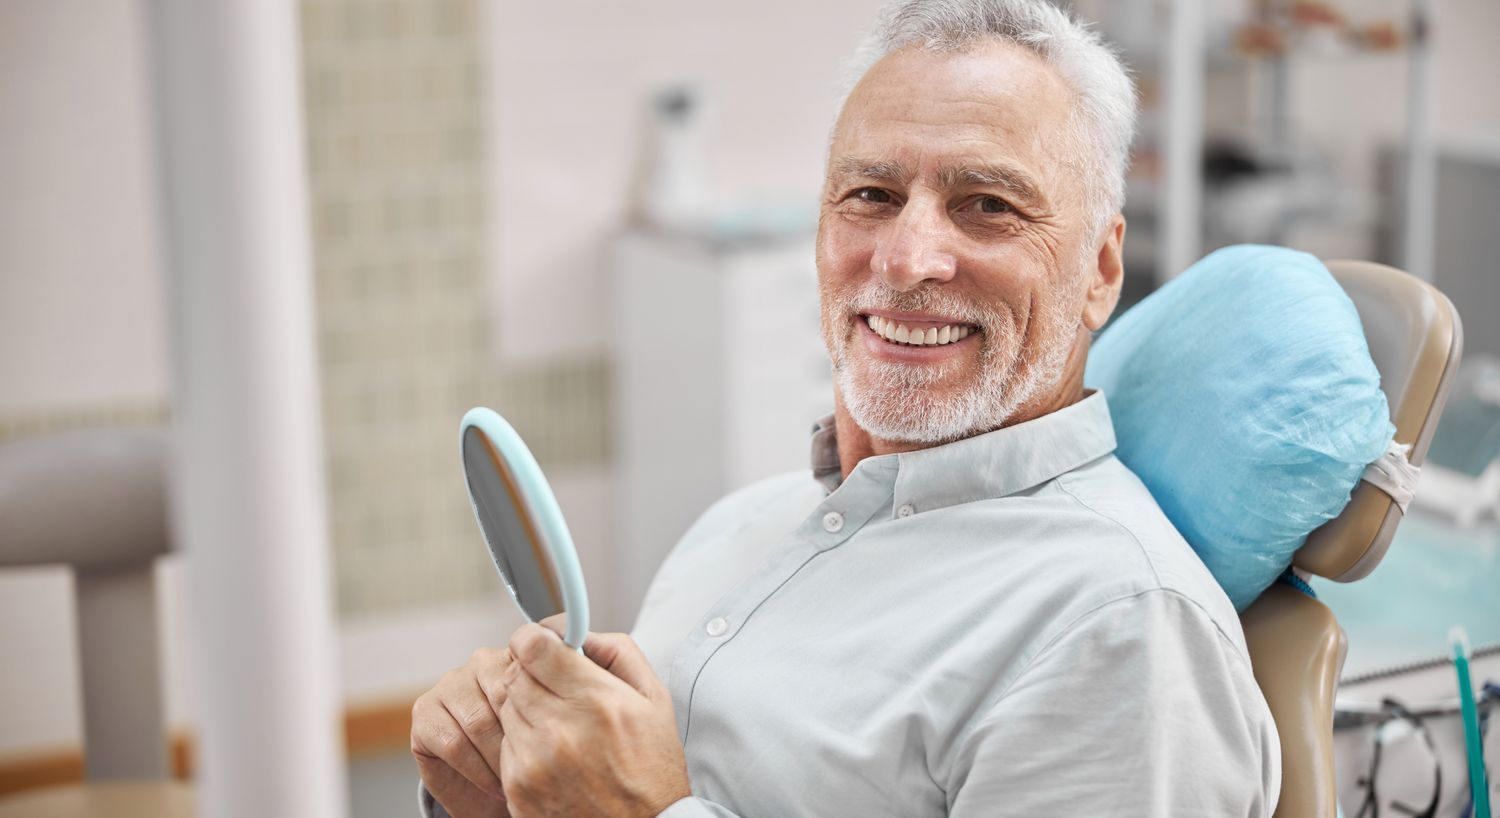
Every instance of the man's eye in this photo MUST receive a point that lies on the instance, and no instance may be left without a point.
(874, 195)
(992, 204)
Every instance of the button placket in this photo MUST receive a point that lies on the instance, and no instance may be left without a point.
(701, 645)
(858, 500)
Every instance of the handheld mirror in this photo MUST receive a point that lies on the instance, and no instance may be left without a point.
(522, 524)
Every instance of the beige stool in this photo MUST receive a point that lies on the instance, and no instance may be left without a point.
(96, 501)
(106, 799)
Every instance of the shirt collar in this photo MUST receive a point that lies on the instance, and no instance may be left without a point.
(994, 464)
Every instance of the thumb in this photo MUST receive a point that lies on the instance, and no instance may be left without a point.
(557, 623)
(622, 657)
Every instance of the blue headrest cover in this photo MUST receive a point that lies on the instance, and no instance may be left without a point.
(1244, 397)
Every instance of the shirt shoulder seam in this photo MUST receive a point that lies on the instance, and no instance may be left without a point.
(992, 710)
(1066, 630)
(1155, 575)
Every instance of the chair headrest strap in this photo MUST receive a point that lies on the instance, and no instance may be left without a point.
(1394, 474)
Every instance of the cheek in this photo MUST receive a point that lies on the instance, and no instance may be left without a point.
(843, 251)
(1007, 277)
(1039, 252)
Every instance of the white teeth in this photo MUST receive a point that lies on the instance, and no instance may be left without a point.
(892, 331)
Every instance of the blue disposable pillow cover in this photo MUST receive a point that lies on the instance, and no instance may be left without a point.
(1244, 397)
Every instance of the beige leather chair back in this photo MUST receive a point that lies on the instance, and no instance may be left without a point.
(1296, 645)
(96, 501)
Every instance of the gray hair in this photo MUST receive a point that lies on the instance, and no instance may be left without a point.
(1102, 119)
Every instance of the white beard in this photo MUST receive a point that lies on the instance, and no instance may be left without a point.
(896, 401)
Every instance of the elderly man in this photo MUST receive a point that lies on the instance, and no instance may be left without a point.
(969, 607)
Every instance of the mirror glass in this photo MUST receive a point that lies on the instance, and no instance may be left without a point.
(522, 524)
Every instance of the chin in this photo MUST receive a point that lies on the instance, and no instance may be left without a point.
(926, 406)
(922, 414)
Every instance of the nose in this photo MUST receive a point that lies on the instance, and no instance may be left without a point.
(915, 247)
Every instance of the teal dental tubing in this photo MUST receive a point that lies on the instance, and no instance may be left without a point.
(1478, 787)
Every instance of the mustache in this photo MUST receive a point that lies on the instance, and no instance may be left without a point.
(928, 300)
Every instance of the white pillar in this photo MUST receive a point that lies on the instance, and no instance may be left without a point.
(1181, 228)
(1418, 240)
(248, 505)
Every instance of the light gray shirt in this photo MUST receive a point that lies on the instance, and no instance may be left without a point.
(1004, 625)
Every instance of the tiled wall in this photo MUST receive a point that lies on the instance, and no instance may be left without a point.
(397, 143)
(397, 153)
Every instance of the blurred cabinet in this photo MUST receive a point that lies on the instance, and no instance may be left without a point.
(719, 373)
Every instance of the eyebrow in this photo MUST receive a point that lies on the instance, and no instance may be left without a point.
(1008, 177)
(1012, 179)
(879, 171)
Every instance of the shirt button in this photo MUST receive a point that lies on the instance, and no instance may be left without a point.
(905, 510)
(717, 626)
(833, 522)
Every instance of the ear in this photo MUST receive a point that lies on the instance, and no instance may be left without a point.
(1105, 276)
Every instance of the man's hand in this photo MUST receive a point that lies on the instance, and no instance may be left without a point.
(587, 736)
(456, 736)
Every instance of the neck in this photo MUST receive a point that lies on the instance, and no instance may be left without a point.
(856, 444)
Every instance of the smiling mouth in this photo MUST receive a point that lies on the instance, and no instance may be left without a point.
(908, 335)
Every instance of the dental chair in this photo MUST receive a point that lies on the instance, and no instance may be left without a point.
(1296, 645)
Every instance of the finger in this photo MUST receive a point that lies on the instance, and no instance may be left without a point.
(516, 726)
(623, 658)
(557, 623)
(491, 677)
(471, 708)
(457, 794)
(554, 665)
(437, 734)
(530, 698)
(470, 761)
(512, 764)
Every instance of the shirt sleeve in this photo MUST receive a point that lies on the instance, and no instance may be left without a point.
(1143, 707)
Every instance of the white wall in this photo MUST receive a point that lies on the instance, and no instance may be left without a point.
(81, 293)
(1467, 63)
(570, 84)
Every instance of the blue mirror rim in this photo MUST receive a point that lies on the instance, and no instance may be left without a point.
(546, 514)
